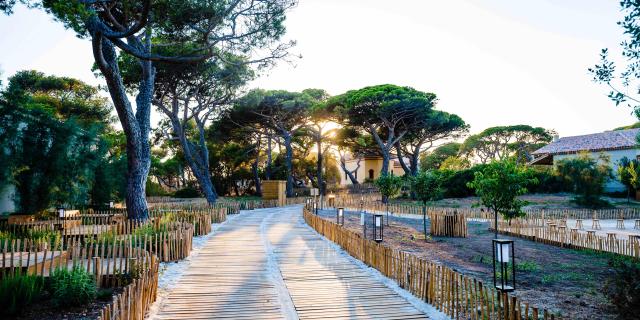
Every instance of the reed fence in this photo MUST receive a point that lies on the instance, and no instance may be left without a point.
(558, 233)
(457, 295)
(448, 224)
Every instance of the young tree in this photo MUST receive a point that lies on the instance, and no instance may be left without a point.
(389, 187)
(502, 142)
(187, 32)
(438, 125)
(498, 185)
(427, 186)
(387, 112)
(587, 176)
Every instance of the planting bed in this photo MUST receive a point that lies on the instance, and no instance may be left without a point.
(565, 280)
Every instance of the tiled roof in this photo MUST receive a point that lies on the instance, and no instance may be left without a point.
(609, 140)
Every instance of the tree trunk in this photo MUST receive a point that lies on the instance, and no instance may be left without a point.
(267, 171)
(348, 173)
(197, 158)
(135, 126)
(320, 179)
(256, 177)
(385, 163)
(288, 160)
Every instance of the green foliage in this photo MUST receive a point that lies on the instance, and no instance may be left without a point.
(51, 137)
(503, 142)
(18, 291)
(548, 181)
(627, 172)
(587, 177)
(427, 186)
(434, 159)
(154, 189)
(455, 182)
(499, 184)
(72, 288)
(187, 192)
(622, 288)
(389, 186)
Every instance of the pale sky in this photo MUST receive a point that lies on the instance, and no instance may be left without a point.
(493, 62)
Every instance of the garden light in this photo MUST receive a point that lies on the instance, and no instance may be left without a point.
(504, 271)
(340, 216)
(378, 228)
(61, 212)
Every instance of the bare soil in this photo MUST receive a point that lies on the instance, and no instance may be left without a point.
(566, 281)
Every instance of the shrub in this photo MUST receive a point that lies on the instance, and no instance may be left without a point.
(75, 287)
(622, 288)
(187, 192)
(587, 177)
(455, 183)
(548, 181)
(18, 291)
(154, 189)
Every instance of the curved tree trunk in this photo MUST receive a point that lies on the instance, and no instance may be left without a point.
(135, 126)
(348, 173)
(197, 158)
(267, 171)
(256, 177)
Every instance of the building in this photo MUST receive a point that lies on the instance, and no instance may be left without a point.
(367, 168)
(615, 144)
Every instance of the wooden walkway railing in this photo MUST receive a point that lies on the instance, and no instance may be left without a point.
(457, 295)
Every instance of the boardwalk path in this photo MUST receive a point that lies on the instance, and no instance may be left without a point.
(267, 264)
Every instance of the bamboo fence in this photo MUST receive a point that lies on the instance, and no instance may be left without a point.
(448, 224)
(457, 295)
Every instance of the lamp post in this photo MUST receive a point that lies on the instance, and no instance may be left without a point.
(378, 227)
(315, 208)
(111, 204)
(504, 267)
(340, 216)
(61, 212)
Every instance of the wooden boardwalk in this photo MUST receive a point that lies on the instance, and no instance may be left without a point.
(267, 264)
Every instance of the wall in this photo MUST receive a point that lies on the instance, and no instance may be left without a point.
(615, 156)
(365, 166)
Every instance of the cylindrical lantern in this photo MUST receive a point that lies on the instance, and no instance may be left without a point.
(378, 226)
(315, 208)
(340, 216)
(504, 271)
(111, 204)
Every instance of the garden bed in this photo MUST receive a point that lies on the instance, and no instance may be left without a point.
(45, 309)
(567, 281)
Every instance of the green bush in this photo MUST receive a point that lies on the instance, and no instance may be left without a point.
(187, 192)
(455, 182)
(18, 292)
(75, 287)
(587, 177)
(154, 189)
(622, 288)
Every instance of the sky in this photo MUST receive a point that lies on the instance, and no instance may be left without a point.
(492, 62)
